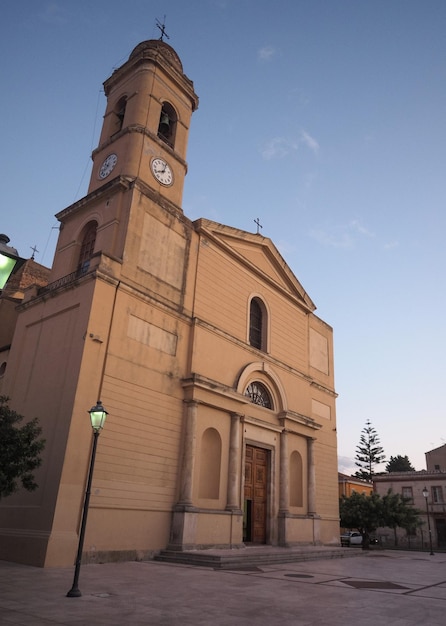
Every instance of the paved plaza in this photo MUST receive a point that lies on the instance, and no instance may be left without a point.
(380, 588)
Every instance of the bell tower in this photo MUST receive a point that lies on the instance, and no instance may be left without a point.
(138, 173)
(146, 124)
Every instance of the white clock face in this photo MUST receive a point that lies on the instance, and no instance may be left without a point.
(108, 166)
(162, 171)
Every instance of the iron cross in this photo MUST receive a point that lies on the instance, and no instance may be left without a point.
(162, 28)
(259, 225)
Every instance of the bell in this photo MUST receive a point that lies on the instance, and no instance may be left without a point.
(164, 123)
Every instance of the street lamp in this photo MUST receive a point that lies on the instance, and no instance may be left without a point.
(10, 261)
(426, 495)
(97, 416)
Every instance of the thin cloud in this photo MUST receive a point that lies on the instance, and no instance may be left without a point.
(266, 53)
(391, 245)
(332, 240)
(309, 141)
(342, 236)
(346, 465)
(277, 148)
(357, 227)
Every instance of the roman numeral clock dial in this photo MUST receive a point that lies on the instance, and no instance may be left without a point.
(108, 166)
(162, 171)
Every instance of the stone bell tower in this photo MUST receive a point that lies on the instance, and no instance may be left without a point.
(116, 292)
(146, 124)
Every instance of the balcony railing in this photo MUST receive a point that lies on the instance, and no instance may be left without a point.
(64, 280)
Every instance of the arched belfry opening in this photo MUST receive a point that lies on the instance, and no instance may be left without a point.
(119, 112)
(87, 247)
(167, 124)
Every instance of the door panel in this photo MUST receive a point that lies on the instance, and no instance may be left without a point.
(256, 466)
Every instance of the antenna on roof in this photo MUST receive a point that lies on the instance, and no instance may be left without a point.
(162, 28)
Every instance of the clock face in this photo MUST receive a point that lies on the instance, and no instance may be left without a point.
(108, 166)
(162, 171)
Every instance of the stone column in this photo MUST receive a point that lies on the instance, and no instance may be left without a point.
(189, 450)
(311, 478)
(284, 473)
(233, 494)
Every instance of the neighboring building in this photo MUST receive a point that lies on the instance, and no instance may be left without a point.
(436, 459)
(411, 485)
(199, 340)
(351, 484)
(29, 274)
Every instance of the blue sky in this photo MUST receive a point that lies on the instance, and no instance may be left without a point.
(325, 119)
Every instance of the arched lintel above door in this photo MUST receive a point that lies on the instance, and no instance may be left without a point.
(264, 373)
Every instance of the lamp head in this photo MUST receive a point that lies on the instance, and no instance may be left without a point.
(9, 260)
(97, 416)
(425, 493)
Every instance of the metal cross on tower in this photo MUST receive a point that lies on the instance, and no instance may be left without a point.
(259, 225)
(162, 28)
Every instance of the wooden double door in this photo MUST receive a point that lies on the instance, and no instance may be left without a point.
(255, 497)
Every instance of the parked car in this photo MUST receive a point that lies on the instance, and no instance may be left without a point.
(354, 538)
(351, 538)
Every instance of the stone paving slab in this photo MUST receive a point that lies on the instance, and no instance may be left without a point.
(392, 588)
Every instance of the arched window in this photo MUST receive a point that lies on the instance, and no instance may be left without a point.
(259, 394)
(119, 112)
(257, 324)
(210, 462)
(167, 124)
(87, 247)
(117, 117)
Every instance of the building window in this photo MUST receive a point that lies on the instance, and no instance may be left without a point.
(167, 124)
(437, 494)
(407, 493)
(87, 247)
(258, 394)
(119, 112)
(257, 324)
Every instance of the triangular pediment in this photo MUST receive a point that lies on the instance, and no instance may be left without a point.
(259, 253)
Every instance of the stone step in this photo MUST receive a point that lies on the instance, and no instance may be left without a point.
(253, 556)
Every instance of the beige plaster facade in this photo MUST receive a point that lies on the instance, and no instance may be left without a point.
(436, 459)
(200, 342)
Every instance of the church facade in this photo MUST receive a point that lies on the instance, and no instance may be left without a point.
(199, 340)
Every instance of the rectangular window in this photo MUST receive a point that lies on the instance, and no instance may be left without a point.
(407, 493)
(437, 494)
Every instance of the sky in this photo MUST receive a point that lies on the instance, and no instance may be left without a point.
(324, 119)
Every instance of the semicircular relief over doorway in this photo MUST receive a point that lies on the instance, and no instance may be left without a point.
(258, 393)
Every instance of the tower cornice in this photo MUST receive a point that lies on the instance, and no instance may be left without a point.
(158, 53)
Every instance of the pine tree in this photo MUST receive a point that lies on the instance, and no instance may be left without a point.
(369, 452)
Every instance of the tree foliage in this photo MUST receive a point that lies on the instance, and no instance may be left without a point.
(20, 449)
(399, 464)
(399, 513)
(367, 513)
(369, 452)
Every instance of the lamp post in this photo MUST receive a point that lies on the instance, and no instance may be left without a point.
(97, 416)
(9, 260)
(426, 495)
